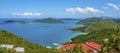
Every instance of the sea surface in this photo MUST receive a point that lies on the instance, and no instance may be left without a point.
(49, 35)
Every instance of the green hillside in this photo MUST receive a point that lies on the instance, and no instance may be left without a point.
(89, 21)
(93, 36)
(9, 38)
(109, 38)
(117, 20)
(105, 32)
(49, 20)
(106, 24)
(101, 25)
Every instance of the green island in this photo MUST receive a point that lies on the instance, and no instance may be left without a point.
(49, 20)
(9, 21)
(23, 22)
(19, 21)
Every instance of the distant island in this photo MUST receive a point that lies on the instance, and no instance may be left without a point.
(23, 21)
(18, 21)
(49, 20)
(70, 19)
(45, 20)
(9, 21)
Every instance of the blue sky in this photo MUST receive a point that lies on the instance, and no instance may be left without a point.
(59, 8)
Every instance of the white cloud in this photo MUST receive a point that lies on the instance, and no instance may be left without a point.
(86, 10)
(37, 14)
(114, 6)
(72, 10)
(26, 14)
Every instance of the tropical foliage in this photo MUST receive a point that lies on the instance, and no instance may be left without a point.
(106, 24)
(109, 38)
(9, 38)
(89, 21)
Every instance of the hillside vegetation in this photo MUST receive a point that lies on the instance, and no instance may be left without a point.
(106, 24)
(109, 38)
(9, 38)
(89, 21)
(106, 32)
(93, 36)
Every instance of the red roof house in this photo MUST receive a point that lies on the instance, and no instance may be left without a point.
(66, 47)
(95, 45)
(88, 49)
(85, 48)
(90, 46)
(72, 46)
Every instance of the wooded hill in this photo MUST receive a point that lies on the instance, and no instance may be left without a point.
(106, 24)
(106, 32)
(9, 38)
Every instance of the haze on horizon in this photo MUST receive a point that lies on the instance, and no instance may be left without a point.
(59, 8)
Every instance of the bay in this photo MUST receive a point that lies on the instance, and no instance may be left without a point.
(50, 35)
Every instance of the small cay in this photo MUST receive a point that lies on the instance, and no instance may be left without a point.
(49, 20)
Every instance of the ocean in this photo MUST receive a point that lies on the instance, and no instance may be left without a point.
(49, 35)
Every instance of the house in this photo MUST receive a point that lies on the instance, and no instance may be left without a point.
(67, 47)
(19, 49)
(64, 48)
(95, 45)
(6, 46)
(86, 48)
(90, 46)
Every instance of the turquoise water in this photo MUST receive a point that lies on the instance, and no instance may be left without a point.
(50, 35)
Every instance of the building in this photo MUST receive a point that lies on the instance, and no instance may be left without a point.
(67, 47)
(6, 46)
(92, 46)
(95, 45)
(19, 49)
(88, 47)
(64, 48)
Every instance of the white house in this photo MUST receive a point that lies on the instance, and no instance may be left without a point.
(6, 46)
(19, 49)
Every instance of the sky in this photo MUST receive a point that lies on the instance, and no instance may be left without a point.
(59, 8)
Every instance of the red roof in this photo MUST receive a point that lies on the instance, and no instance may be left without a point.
(90, 46)
(67, 47)
(85, 48)
(95, 45)
(72, 45)
(64, 47)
